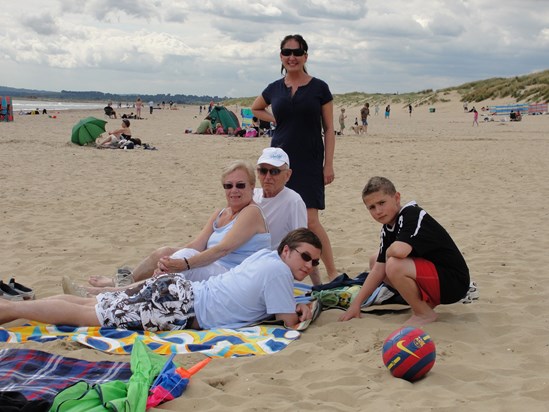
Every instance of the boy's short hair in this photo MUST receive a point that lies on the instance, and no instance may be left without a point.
(297, 236)
(379, 184)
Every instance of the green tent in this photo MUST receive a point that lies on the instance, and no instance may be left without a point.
(221, 114)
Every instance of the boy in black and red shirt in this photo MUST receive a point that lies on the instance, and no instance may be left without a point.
(416, 256)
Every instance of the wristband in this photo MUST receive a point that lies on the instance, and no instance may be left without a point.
(187, 262)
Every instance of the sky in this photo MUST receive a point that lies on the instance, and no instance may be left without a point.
(231, 47)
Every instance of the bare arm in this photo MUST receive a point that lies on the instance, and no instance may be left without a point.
(398, 250)
(302, 312)
(259, 107)
(329, 142)
(249, 222)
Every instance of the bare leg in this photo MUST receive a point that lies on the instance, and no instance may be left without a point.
(143, 271)
(327, 255)
(402, 275)
(54, 311)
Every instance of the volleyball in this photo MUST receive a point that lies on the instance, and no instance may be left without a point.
(409, 353)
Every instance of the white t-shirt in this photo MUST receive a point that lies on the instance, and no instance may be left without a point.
(284, 213)
(262, 285)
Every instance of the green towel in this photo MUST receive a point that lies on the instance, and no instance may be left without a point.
(115, 396)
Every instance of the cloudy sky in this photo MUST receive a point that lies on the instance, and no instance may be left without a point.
(231, 47)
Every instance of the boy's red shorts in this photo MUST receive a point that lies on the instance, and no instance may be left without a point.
(427, 280)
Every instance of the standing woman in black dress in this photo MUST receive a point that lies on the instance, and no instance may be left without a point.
(302, 109)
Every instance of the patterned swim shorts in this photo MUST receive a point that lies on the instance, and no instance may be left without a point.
(165, 302)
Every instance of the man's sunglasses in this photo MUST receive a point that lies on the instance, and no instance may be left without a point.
(272, 172)
(239, 185)
(307, 258)
(295, 52)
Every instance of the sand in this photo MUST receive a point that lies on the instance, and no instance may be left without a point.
(70, 210)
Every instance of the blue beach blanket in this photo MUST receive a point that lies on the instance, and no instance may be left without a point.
(41, 375)
(254, 340)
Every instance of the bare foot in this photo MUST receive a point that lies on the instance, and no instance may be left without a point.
(420, 320)
(71, 288)
(101, 281)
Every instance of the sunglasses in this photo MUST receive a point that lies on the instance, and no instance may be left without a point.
(307, 258)
(272, 172)
(239, 185)
(295, 52)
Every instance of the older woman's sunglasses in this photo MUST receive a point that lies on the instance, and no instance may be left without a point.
(295, 52)
(239, 185)
(307, 258)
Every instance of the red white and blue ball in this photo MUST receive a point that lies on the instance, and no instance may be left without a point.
(409, 353)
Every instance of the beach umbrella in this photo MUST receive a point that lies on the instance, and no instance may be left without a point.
(87, 130)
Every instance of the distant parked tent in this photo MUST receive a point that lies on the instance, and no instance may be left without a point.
(6, 109)
(221, 114)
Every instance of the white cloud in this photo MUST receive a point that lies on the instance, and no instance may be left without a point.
(231, 47)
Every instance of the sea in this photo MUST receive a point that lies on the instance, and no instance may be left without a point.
(52, 105)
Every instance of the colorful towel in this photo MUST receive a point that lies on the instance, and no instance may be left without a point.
(254, 340)
(40, 375)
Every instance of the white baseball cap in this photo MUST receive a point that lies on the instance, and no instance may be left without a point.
(274, 156)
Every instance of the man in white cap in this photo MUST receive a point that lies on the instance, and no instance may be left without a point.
(283, 207)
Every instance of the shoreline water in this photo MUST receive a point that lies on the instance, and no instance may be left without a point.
(53, 105)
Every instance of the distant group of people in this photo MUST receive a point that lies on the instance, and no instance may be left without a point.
(242, 265)
(118, 139)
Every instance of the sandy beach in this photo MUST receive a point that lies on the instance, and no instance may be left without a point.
(79, 211)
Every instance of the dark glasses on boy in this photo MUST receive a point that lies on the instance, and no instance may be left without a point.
(273, 172)
(295, 52)
(307, 258)
(239, 185)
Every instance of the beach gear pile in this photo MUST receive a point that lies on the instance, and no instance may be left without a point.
(51, 382)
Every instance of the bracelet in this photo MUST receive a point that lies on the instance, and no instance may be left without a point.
(187, 262)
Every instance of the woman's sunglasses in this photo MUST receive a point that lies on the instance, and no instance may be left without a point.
(307, 258)
(295, 52)
(239, 185)
(273, 172)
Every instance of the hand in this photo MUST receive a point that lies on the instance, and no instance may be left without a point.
(304, 312)
(329, 175)
(169, 265)
(350, 313)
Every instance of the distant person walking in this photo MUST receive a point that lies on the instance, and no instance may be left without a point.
(342, 118)
(387, 111)
(410, 109)
(138, 107)
(475, 116)
(151, 107)
(364, 113)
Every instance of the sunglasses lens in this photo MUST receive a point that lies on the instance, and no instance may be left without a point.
(295, 52)
(273, 172)
(239, 185)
